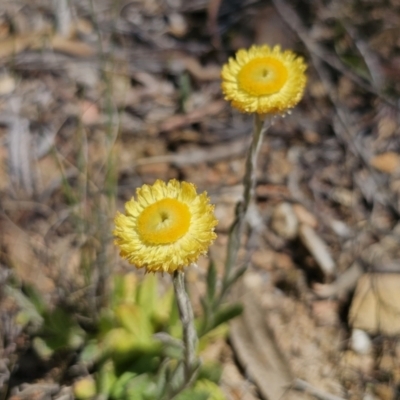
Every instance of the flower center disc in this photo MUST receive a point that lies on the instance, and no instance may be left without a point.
(262, 76)
(164, 222)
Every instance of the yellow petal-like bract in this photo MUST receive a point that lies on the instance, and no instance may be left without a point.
(166, 228)
(264, 80)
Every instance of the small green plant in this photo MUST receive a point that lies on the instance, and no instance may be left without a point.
(53, 330)
(134, 349)
(137, 352)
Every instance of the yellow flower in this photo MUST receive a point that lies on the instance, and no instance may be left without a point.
(264, 80)
(166, 228)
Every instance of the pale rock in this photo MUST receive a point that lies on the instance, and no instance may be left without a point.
(7, 84)
(177, 25)
(284, 221)
(360, 342)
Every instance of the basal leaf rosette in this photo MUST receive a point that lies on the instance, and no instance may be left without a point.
(264, 80)
(166, 228)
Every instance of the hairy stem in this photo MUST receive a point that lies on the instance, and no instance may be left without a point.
(189, 331)
(242, 207)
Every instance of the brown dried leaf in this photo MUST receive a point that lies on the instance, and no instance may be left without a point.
(386, 162)
(71, 47)
(20, 254)
(387, 126)
(256, 348)
(16, 44)
(90, 113)
(48, 172)
(200, 72)
(304, 216)
(376, 304)
(326, 312)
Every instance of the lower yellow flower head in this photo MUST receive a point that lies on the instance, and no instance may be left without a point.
(264, 80)
(166, 228)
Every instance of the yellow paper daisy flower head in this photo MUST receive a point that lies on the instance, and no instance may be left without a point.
(166, 228)
(264, 80)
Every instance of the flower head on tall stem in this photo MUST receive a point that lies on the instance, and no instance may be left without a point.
(264, 80)
(166, 228)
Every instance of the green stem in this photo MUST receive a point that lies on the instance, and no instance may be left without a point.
(190, 339)
(242, 207)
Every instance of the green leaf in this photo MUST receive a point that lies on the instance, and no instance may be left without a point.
(121, 345)
(147, 294)
(29, 307)
(227, 313)
(41, 348)
(219, 332)
(85, 389)
(238, 274)
(185, 89)
(213, 390)
(35, 297)
(193, 394)
(91, 353)
(142, 387)
(205, 304)
(119, 388)
(211, 371)
(145, 363)
(60, 331)
(357, 64)
(106, 378)
(161, 379)
(135, 320)
(164, 308)
(211, 282)
(173, 351)
(177, 376)
(124, 289)
(106, 321)
(125, 347)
